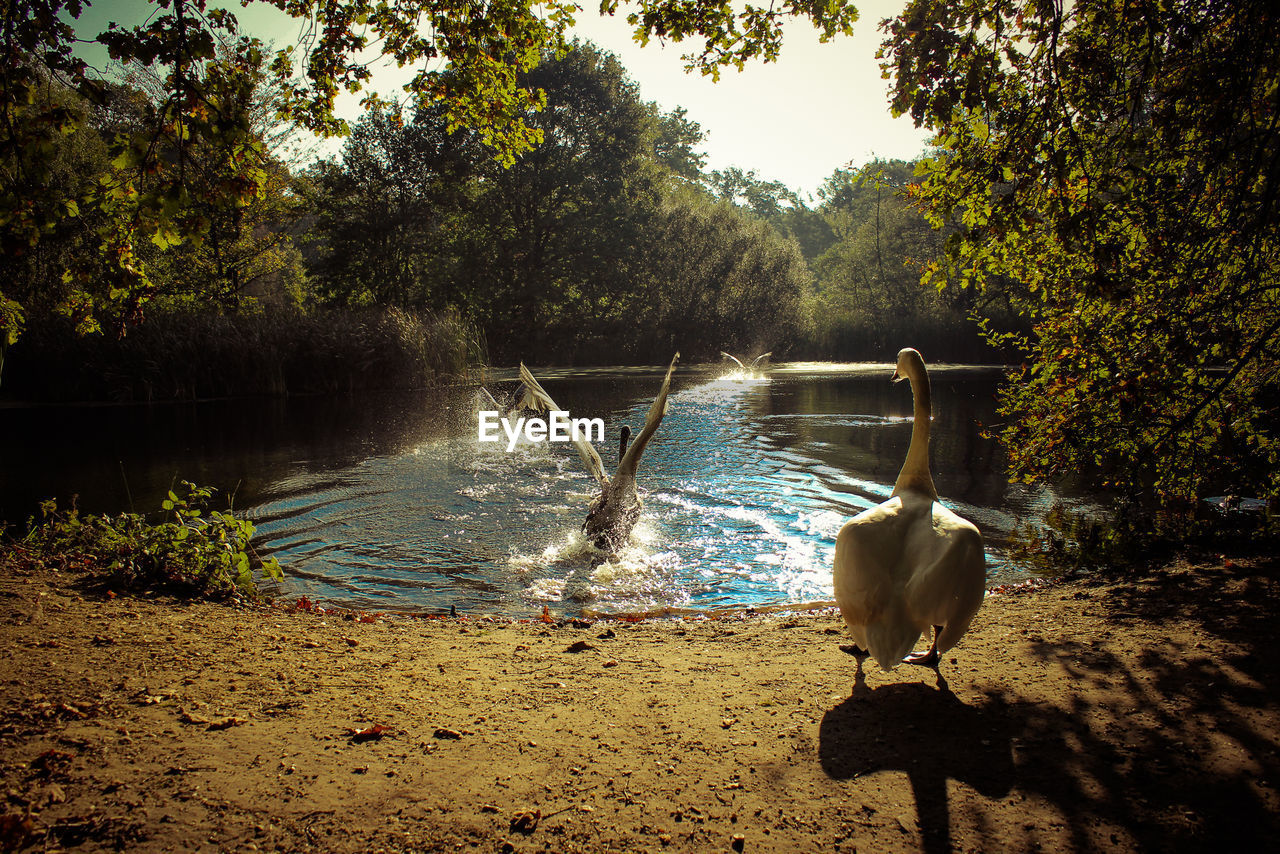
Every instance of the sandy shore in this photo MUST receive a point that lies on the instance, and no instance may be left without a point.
(1086, 717)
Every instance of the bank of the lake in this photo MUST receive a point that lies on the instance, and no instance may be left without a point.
(1089, 716)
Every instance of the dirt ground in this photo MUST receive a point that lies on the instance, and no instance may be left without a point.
(1089, 716)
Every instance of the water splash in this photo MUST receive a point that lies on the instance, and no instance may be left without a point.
(744, 489)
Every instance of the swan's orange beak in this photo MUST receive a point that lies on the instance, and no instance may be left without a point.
(896, 378)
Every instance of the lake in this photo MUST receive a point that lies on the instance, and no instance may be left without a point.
(391, 503)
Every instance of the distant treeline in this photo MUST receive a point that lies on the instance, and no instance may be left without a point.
(415, 254)
(189, 355)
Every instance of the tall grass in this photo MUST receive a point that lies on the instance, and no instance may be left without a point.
(190, 355)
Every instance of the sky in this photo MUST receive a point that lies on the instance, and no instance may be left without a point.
(820, 107)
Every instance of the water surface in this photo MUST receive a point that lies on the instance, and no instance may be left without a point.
(390, 502)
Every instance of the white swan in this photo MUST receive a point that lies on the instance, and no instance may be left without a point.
(615, 510)
(909, 563)
(754, 361)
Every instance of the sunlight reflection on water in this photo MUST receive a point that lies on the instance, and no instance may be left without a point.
(744, 489)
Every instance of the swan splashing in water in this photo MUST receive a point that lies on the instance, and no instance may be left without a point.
(750, 370)
(613, 513)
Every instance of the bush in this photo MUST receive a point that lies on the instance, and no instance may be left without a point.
(191, 550)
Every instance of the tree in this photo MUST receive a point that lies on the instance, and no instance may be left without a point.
(231, 237)
(391, 212)
(767, 199)
(552, 248)
(1121, 163)
(676, 142)
(717, 278)
(471, 64)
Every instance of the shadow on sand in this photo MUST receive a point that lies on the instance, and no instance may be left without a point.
(1172, 748)
(926, 733)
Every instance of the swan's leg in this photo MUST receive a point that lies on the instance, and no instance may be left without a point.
(930, 658)
(854, 650)
(860, 655)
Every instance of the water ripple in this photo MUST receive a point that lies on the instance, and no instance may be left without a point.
(744, 490)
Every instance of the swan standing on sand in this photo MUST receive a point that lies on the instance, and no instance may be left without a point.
(615, 510)
(909, 563)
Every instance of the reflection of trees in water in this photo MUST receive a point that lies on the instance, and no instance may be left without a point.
(248, 444)
(869, 428)
(243, 445)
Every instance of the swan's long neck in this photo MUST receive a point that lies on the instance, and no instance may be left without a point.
(915, 471)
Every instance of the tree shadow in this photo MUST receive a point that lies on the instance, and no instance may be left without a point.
(926, 733)
(1162, 733)
(1178, 752)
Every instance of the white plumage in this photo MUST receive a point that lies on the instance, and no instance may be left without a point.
(909, 563)
(616, 509)
(754, 362)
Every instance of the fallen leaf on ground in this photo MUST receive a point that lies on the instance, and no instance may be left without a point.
(47, 761)
(368, 733)
(526, 821)
(189, 718)
(441, 732)
(227, 722)
(579, 646)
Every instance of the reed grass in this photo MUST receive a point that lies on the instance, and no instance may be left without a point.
(190, 355)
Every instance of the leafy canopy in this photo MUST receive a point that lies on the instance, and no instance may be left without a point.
(1120, 162)
(472, 61)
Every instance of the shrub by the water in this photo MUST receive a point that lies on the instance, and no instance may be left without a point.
(190, 550)
(190, 355)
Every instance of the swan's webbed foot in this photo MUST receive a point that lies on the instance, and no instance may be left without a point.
(924, 659)
(930, 658)
(854, 650)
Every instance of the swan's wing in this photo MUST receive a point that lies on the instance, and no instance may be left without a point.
(536, 398)
(757, 359)
(949, 574)
(867, 580)
(659, 408)
(735, 358)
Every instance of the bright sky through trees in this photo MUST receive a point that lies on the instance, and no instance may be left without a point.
(795, 121)
(818, 108)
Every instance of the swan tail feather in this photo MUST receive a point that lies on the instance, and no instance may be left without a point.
(949, 591)
(890, 638)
